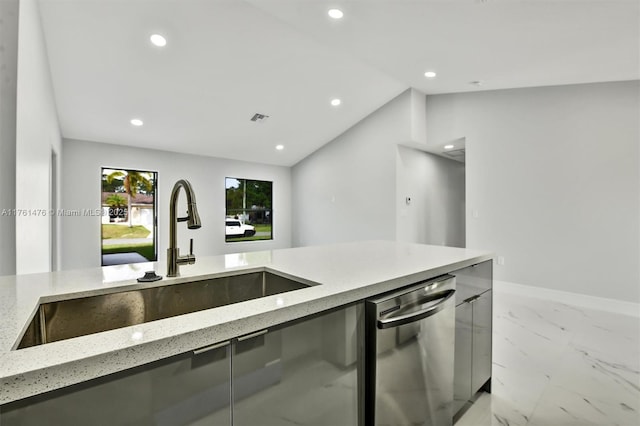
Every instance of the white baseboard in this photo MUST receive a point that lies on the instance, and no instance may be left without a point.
(575, 299)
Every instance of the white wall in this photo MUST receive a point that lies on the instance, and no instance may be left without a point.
(355, 187)
(436, 186)
(553, 175)
(37, 134)
(345, 191)
(8, 75)
(81, 188)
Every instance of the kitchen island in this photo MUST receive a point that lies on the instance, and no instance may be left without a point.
(337, 275)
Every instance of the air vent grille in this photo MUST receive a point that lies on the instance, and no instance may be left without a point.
(259, 118)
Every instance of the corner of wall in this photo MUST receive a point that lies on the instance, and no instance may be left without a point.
(37, 134)
(418, 117)
(8, 77)
(346, 190)
(552, 182)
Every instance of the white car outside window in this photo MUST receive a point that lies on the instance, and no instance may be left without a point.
(235, 228)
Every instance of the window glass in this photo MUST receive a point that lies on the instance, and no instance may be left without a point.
(129, 218)
(249, 214)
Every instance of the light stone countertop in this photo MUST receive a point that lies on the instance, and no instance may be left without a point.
(346, 273)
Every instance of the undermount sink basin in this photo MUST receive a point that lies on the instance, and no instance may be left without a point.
(87, 315)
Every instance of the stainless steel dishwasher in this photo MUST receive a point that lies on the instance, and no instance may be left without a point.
(409, 348)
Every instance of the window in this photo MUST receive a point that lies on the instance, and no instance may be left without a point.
(129, 218)
(249, 214)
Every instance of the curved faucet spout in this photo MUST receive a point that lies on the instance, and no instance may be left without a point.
(174, 260)
(193, 218)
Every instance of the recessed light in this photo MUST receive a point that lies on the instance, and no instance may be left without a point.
(136, 122)
(158, 40)
(430, 74)
(336, 102)
(448, 147)
(335, 13)
(279, 147)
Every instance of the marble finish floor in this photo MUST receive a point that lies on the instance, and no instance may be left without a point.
(559, 365)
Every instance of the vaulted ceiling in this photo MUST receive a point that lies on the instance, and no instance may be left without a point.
(226, 60)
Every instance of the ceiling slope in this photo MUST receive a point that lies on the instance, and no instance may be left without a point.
(227, 60)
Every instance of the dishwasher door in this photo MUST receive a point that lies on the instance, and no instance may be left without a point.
(409, 355)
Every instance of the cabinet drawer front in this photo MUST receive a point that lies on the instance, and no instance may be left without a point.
(473, 280)
(463, 358)
(187, 389)
(482, 313)
(304, 372)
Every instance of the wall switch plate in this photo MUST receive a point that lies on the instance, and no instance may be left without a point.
(501, 260)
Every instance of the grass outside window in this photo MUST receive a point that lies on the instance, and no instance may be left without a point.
(145, 250)
(124, 232)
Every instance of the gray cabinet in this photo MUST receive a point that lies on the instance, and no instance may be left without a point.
(304, 372)
(463, 356)
(188, 389)
(481, 341)
(472, 370)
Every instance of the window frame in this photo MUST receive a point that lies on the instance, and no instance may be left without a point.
(154, 233)
(246, 212)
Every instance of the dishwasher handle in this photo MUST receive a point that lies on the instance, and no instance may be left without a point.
(442, 296)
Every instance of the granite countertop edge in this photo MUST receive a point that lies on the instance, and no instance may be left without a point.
(341, 274)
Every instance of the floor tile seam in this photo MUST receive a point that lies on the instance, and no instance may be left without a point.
(556, 383)
(550, 377)
(526, 414)
(601, 355)
(564, 350)
(552, 383)
(587, 399)
(557, 325)
(578, 346)
(580, 320)
(546, 389)
(560, 337)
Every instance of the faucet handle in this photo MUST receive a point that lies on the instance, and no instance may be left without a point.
(191, 258)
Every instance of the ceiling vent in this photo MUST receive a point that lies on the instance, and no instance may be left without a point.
(259, 118)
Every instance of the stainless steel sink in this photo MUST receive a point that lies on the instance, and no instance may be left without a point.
(78, 317)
